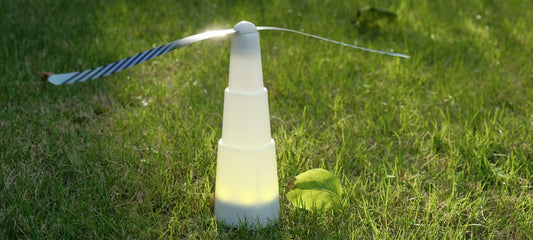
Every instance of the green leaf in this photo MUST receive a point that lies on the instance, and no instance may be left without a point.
(371, 17)
(315, 189)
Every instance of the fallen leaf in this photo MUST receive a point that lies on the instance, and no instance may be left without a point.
(372, 17)
(315, 189)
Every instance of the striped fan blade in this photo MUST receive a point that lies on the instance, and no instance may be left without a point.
(102, 71)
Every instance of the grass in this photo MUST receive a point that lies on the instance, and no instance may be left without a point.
(437, 146)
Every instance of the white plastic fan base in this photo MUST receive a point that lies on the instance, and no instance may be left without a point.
(246, 190)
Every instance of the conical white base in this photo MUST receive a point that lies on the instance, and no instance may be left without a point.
(247, 185)
(246, 180)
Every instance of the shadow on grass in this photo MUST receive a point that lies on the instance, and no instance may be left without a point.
(272, 231)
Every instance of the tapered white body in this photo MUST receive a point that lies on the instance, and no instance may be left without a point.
(246, 178)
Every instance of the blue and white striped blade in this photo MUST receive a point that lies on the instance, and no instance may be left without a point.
(102, 71)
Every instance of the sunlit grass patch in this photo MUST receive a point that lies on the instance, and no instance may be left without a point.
(439, 145)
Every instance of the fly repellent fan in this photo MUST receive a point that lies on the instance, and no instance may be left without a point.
(246, 188)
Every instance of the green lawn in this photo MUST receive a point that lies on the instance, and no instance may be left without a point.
(436, 146)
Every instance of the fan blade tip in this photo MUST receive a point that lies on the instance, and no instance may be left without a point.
(59, 79)
(55, 80)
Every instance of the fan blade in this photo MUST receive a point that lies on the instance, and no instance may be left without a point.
(102, 71)
(332, 41)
